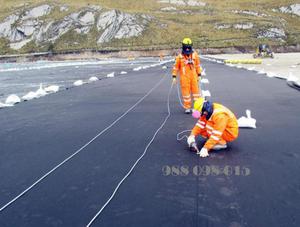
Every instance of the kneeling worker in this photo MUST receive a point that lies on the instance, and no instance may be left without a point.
(216, 123)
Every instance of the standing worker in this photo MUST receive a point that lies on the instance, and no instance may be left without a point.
(216, 123)
(188, 64)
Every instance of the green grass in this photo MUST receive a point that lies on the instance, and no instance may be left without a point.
(200, 26)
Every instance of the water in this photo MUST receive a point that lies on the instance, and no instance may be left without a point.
(21, 78)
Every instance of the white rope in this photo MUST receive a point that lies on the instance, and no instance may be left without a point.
(80, 149)
(137, 161)
(179, 138)
(178, 94)
(201, 87)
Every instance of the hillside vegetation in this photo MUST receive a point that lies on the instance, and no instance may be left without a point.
(152, 24)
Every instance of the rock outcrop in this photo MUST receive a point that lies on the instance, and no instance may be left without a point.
(292, 9)
(81, 22)
(274, 33)
(241, 26)
(168, 9)
(64, 8)
(249, 12)
(117, 25)
(23, 27)
(58, 26)
(8, 31)
(183, 2)
(222, 26)
(244, 26)
(37, 12)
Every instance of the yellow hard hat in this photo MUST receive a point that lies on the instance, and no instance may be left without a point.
(198, 105)
(187, 41)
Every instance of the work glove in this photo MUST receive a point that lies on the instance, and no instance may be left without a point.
(191, 140)
(174, 80)
(203, 73)
(203, 153)
(199, 77)
(192, 144)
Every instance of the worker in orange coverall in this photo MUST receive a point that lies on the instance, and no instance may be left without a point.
(188, 64)
(216, 123)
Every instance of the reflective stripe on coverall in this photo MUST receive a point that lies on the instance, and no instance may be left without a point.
(222, 127)
(189, 71)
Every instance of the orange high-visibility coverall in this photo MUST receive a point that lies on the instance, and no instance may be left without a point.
(189, 68)
(222, 127)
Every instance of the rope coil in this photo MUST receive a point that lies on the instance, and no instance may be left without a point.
(179, 137)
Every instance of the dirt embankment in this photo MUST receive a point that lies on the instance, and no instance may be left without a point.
(99, 54)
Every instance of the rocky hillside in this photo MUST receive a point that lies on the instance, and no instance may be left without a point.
(134, 24)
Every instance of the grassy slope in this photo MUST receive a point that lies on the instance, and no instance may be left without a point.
(200, 26)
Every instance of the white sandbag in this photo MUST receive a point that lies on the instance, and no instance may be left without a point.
(30, 95)
(111, 75)
(247, 122)
(93, 79)
(204, 81)
(40, 92)
(206, 93)
(12, 99)
(52, 88)
(78, 83)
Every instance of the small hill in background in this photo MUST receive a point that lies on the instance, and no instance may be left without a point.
(148, 25)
